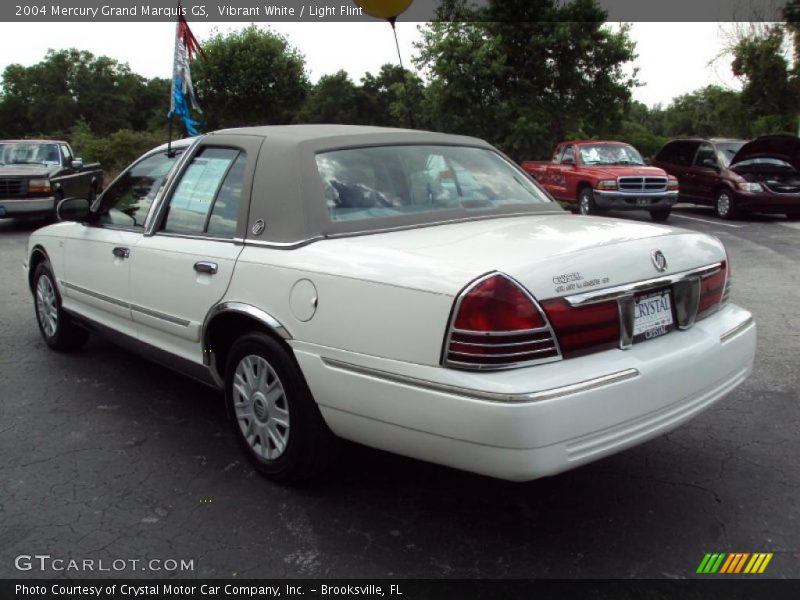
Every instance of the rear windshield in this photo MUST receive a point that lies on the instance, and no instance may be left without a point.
(387, 181)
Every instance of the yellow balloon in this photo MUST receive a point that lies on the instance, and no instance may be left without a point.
(384, 9)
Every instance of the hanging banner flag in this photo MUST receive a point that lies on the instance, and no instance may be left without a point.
(186, 48)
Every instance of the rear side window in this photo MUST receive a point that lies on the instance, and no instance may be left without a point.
(678, 153)
(208, 195)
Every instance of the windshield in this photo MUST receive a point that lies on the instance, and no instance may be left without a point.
(29, 153)
(610, 154)
(387, 181)
(727, 150)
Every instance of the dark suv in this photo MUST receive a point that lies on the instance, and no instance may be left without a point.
(735, 176)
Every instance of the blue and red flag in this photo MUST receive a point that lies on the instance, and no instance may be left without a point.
(182, 97)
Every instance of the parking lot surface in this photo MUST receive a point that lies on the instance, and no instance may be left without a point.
(107, 456)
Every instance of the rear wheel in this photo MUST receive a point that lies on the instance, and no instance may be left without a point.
(586, 203)
(58, 330)
(660, 215)
(725, 205)
(276, 419)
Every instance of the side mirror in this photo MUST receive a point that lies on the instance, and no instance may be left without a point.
(648, 161)
(709, 163)
(73, 209)
(77, 163)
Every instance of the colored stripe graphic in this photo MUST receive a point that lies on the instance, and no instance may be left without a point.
(734, 563)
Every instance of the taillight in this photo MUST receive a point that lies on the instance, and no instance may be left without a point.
(713, 291)
(496, 324)
(583, 329)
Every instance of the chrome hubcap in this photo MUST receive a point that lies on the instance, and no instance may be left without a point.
(723, 204)
(46, 309)
(584, 205)
(262, 411)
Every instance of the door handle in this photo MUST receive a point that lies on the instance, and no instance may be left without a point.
(121, 252)
(206, 267)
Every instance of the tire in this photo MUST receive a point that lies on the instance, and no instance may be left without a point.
(285, 437)
(660, 215)
(57, 328)
(586, 203)
(725, 205)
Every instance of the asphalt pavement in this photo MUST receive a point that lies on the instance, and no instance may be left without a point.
(106, 456)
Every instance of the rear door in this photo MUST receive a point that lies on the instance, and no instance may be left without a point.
(676, 158)
(182, 267)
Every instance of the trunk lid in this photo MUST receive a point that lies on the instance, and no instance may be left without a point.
(551, 255)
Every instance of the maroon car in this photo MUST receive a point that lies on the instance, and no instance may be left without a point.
(735, 176)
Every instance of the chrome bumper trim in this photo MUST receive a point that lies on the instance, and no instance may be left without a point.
(736, 330)
(549, 394)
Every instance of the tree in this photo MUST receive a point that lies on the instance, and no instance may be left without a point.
(526, 74)
(393, 97)
(68, 85)
(335, 99)
(252, 77)
(769, 90)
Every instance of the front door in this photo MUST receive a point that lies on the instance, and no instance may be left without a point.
(183, 266)
(97, 257)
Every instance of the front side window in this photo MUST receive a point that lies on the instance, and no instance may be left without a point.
(387, 181)
(126, 202)
(610, 154)
(67, 155)
(569, 156)
(705, 157)
(208, 194)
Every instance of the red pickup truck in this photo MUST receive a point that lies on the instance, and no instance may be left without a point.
(595, 176)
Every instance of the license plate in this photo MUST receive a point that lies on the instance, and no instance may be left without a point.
(2, 211)
(652, 316)
(643, 201)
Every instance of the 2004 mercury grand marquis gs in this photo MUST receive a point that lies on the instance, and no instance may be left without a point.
(412, 291)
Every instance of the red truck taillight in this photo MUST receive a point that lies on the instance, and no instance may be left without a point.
(497, 324)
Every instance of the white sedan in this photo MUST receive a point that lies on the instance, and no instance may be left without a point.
(411, 291)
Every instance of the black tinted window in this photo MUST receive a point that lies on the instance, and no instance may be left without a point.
(678, 153)
(569, 155)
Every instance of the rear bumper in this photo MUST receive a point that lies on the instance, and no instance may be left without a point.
(19, 207)
(536, 421)
(635, 201)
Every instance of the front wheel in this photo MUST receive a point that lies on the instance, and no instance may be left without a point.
(56, 327)
(586, 203)
(660, 215)
(725, 205)
(275, 417)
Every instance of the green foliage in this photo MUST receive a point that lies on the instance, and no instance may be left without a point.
(252, 77)
(335, 99)
(526, 74)
(115, 151)
(74, 84)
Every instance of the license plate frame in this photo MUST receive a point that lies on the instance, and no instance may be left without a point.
(653, 315)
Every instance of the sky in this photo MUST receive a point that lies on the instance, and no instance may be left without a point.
(666, 68)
